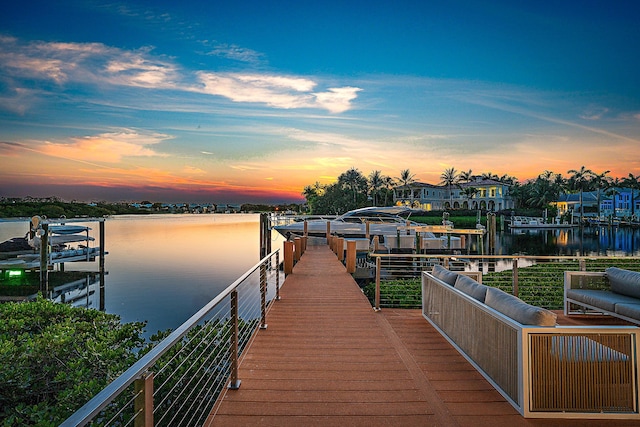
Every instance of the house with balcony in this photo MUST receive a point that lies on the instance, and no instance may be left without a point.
(483, 194)
(622, 204)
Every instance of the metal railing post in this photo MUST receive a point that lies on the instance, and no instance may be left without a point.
(143, 403)
(277, 276)
(583, 264)
(263, 297)
(44, 260)
(515, 276)
(378, 265)
(234, 383)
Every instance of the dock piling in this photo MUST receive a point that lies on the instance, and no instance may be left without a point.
(288, 257)
(351, 256)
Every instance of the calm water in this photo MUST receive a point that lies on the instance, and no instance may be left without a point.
(602, 241)
(164, 268)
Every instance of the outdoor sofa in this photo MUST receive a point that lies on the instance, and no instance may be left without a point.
(615, 292)
(542, 369)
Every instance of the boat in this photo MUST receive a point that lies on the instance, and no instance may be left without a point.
(391, 224)
(535, 222)
(60, 235)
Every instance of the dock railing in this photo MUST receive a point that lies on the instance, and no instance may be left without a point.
(178, 382)
(538, 280)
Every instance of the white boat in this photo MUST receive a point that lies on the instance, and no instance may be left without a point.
(62, 235)
(534, 222)
(391, 224)
(382, 220)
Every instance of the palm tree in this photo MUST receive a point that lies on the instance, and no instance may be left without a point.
(376, 182)
(490, 175)
(466, 176)
(579, 180)
(449, 177)
(388, 184)
(508, 179)
(600, 182)
(353, 180)
(542, 191)
(406, 178)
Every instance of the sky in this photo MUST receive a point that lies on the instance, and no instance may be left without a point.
(251, 101)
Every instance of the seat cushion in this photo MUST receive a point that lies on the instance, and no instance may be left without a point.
(624, 282)
(445, 275)
(601, 299)
(470, 287)
(629, 310)
(518, 310)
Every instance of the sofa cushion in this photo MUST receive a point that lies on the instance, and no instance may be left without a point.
(601, 299)
(517, 309)
(624, 282)
(629, 310)
(470, 287)
(445, 275)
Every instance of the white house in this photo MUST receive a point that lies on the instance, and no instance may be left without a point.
(489, 195)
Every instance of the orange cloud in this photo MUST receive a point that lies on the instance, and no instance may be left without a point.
(108, 147)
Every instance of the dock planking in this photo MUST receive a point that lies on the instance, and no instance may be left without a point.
(327, 359)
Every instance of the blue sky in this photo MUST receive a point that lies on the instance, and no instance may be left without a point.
(253, 100)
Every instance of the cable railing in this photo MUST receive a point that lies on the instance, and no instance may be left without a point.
(178, 382)
(538, 280)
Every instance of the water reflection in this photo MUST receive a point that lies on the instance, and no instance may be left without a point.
(602, 241)
(164, 268)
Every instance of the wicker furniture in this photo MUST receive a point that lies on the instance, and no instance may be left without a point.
(615, 292)
(543, 371)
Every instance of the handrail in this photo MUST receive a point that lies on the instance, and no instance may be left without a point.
(464, 256)
(394, 266)
(138, 369)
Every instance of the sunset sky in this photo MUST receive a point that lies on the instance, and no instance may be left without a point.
(250, 101)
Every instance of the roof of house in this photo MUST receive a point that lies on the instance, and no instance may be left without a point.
(587, 197)
(474, 183)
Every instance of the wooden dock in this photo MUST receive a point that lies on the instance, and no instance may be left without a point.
(327, 359)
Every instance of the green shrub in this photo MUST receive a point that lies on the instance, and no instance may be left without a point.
(56, 357)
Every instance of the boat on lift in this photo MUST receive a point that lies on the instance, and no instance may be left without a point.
(391, 224)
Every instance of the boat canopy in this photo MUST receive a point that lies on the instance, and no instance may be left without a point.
(373, 211)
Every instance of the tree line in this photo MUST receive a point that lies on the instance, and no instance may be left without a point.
(354, 190)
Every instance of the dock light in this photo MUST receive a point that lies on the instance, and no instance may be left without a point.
(15, 273)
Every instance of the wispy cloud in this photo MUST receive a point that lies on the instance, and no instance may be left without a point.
(136, 69)
(337, 100)
(594, 113)
(521, 103)
(10, 149)
(98, 64)
(192, 170)
(277, 91)
(237, 53)
(85, 63)
(106, 148)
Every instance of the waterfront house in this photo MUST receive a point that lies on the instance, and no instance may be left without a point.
(570, 203)
(619, 204)
(486, 194)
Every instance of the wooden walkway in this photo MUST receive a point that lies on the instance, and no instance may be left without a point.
(327, 359)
